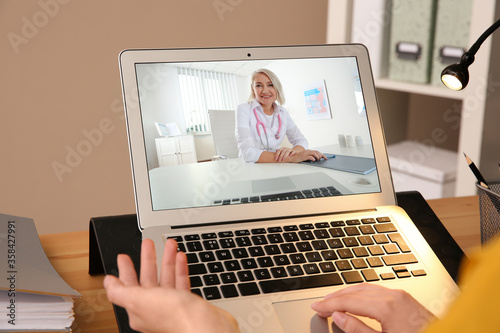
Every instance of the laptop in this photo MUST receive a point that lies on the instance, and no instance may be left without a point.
(265, 258)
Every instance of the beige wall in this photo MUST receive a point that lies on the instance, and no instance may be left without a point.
(60, 85)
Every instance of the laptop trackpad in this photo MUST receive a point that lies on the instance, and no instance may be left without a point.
(298, 317)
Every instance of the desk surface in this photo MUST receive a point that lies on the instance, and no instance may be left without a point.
(68, 253)
(195, 184)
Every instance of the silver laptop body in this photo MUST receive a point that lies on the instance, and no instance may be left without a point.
(225, 202)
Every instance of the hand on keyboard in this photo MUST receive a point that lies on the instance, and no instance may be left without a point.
(166, 305)
(395, 310)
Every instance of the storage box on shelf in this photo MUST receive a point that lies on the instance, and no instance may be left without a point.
(469, 119)
(424, 168)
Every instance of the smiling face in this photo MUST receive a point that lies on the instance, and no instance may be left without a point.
(264, 92)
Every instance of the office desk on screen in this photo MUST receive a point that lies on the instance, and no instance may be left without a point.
(199, 184)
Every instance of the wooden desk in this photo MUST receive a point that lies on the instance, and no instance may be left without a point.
(68, 253)
(461, 217)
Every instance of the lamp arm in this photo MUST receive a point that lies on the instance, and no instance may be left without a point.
(473, 49)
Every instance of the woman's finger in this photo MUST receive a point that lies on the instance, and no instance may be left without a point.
(181, 272)
(168, 264)
(126, 270)
(286, 153)
(348, 323)
(279, 154)
(149, 273)
(114, 289)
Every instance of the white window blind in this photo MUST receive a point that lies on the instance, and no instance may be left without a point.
(202, 91)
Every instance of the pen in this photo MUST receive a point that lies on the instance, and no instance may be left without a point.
(476, 172)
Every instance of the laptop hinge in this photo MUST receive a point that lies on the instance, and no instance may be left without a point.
(277, 218)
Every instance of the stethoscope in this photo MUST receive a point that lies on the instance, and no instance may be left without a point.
(259, 122)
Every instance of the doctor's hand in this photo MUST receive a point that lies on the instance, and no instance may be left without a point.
(166, 305)
(304, 155)
(283, 152)
(395, 310)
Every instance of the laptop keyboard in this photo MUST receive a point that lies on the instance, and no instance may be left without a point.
(245, 262)
(328, 191)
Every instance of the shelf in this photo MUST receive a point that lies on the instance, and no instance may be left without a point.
(473, 117)
(422, 89)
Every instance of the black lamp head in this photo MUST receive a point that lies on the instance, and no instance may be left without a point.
(456, 76)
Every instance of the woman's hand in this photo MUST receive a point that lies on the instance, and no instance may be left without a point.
(297, 154)
(166, 305)
(290, 155)
(304, 155)
(396, 310)
(283, 152)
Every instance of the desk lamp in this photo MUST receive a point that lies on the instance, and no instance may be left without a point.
(456, 76)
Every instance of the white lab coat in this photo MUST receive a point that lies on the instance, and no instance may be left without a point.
(250, 145)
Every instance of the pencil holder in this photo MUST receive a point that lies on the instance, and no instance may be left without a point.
(489, 210)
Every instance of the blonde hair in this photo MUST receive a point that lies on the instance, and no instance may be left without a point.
(280, 96)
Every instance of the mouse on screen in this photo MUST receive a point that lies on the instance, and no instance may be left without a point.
(363, 181)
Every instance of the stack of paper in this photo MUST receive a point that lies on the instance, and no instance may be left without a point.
(35, 311)
(32, 295)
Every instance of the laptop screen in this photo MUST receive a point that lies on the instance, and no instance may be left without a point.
(202, 131)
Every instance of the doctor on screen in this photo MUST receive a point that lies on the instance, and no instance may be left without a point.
(262, 123)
